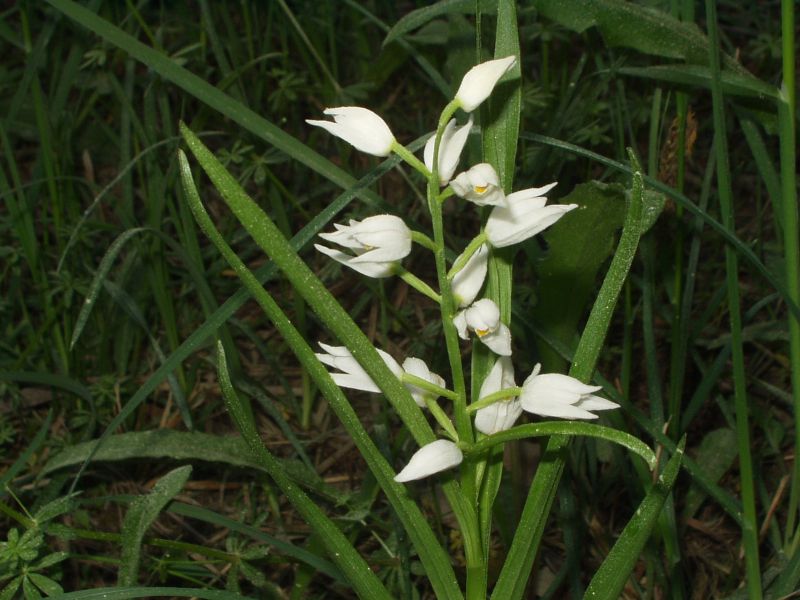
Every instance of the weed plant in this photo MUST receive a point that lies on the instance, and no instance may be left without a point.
(120, 463)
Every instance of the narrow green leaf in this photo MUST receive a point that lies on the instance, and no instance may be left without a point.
(123, 593)
(47, 585)
(516, 570)
(716, 453)
(215, 98)
(22, 459)
(610, 578)
(548, 428)
(417, 18)
(141, 514)
(433, 557)
(734, 84)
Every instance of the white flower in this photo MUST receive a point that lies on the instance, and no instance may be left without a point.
(360, 128)
(382, 238)
(418, 368)
(480, 80)
(469, 280)
(480, 185)
(353, 374)
(556, 395)
(483, 317)
(450, 147)
(379, 242)
(370, 269)
(503, 414)
(431, 458)
(523, 216)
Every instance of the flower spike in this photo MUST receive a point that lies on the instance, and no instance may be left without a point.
(359, 127)
(431, 458)
(480, 80)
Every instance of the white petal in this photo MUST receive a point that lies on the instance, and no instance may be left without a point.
(523, 216)
(501, 376)
(469, 280)
(561, 411)
(498, 341)
(483, 316)
(556, 395)
(431, 458)
(498, 416)
(370, 269)
(480, 185)
(596, 403)
(353, 374)
(460, 321)
(480, 80)
(418, 368)
(450, 148)
(359, 127)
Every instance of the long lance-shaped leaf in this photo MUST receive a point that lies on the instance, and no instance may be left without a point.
(500, 120)
(435, 560)
(218, 318)
(365, 583)
(514, 576)
(330, 312)
(213, 97)
(610, 578)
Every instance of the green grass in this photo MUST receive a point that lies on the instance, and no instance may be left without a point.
(111, 295)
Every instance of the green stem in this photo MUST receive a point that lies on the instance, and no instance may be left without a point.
(471, 249)
(504, 394)
(417, 284)
(788, 136)
(423, 240)
(412, 160)
(426, 385)
(441, 417)
(750, 526)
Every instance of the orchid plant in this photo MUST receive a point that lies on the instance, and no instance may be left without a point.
(472, 421)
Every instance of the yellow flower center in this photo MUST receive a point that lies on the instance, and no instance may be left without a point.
(480, 189)
(481, 332)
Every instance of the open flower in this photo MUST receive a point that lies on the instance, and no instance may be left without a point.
(556, 395)
(418, 368)
(353, 374)
(480, 80)
(469, 280)
(502, 414)
(483, 317)
(479, 185)
(450, 147)
(378, 242)
(359, 127)
(523, 216)
(431, 458)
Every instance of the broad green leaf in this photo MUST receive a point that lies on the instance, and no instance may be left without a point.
(141, 514)
(53, 509)
(632, 25)
(364, 581)
(47, 585)
(610, 578)
(716, 454)
(577, 246)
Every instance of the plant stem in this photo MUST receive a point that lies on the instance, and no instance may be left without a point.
(463, 259)
(504, 394)
(788, 136)
(749, 528)
(417, 284)
(412, 160)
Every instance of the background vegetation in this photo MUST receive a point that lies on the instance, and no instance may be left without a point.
(110, 295)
